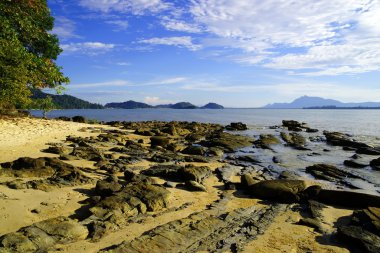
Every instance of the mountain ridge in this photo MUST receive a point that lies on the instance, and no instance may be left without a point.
(308, 101)
(130, 104)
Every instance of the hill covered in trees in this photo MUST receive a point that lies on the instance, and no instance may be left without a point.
(66, 101)
(180, 105)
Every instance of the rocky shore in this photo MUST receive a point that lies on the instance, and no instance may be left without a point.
(186, 187)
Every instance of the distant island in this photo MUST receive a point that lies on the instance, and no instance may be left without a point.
(181, 105)
(306, 102)
(66, 101)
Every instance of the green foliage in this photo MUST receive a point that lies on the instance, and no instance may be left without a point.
(45, 104)
(27, 51)
(66, 101)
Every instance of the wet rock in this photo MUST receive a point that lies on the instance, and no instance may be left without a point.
(42, 236)
(89, 153)
(276, 159)
(375, 164)
(311, 130)
(289, 175)
(266, 141)
(236, 126)
(79, 119)
(292, 125)
(215, 152)
(227, 142)
(195, 137)
(285, 191)
(107, 186)
(347, 198)
(357, 236)
(368, 150)
(294, 140)
(194, 186)
(344, 140)
(354, 164)
(328, 172)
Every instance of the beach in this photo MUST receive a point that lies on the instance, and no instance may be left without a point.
(168, 187)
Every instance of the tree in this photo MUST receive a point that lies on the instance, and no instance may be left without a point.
(44, 104)
(27, 51)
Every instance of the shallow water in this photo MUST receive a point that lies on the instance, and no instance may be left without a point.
(357, 122)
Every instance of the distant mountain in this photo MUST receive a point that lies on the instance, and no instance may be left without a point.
(181, 105)
(128, 105)
(66, 101)
(212, 106)
(306, 101)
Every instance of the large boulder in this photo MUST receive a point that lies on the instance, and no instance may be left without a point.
(107, 186)
(179, 173)
(43, 235)
(328, 172)
(33, 167)
(236, 126)
(375, 164)
(88, 152)
(135, 198)
(357, 236)
(266, 141)
(227, 142)
(347, 198)
(159, 141)
(368, 218)
(195, 150)
(286, 191)
(294, 140)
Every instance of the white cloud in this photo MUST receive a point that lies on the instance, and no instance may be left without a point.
(173, 80)
(64, 28)
(88, 48)
(182, 41)
(114, 83)
(123, 64)
(178, 25)
(120, 25)
(292, 90)
(326, 37)
(137, 7)
(125, 83)
(156, 100)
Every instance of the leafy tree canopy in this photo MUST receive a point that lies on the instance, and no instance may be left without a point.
(27, 51)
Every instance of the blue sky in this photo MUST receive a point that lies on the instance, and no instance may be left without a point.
(241, 53)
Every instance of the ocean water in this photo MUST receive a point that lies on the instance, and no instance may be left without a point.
(356, 122)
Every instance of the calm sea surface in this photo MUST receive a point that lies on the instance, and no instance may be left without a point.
(358, 122)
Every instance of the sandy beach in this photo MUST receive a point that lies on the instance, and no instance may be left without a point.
(29, 202)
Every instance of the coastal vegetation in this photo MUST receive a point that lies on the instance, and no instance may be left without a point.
(65, 101)
(28, 51)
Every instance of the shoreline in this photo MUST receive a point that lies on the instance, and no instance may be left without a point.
(215, 191)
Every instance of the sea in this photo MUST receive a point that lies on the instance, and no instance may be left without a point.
(363, 125)
(350, 121)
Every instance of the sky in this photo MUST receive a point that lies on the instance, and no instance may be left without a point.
(238, 53)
